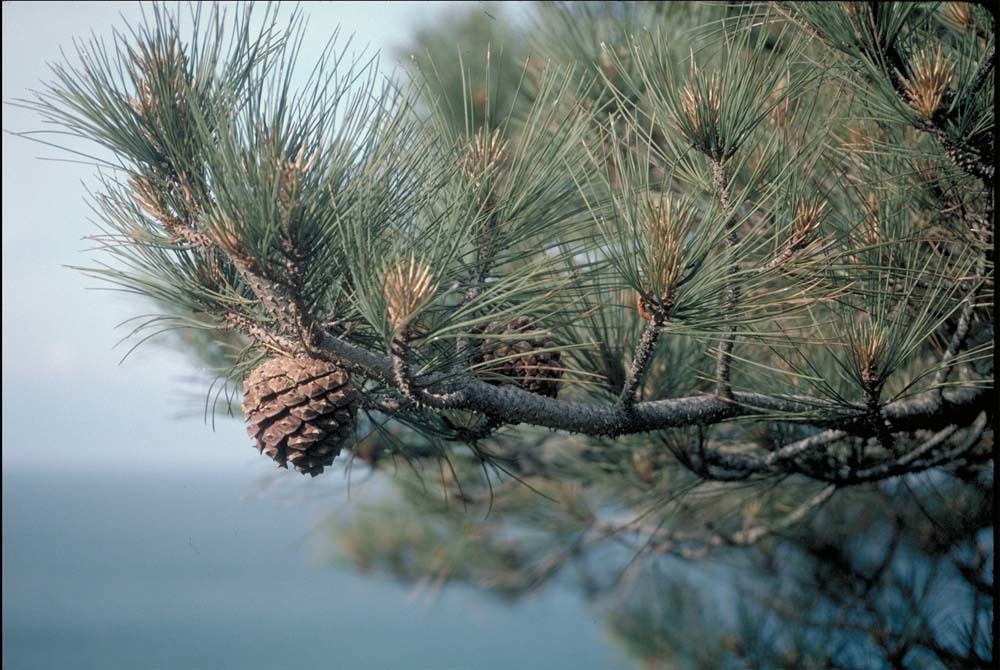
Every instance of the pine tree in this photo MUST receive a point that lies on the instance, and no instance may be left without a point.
(624, 253)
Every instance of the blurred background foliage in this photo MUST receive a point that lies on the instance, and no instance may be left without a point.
(897, 575)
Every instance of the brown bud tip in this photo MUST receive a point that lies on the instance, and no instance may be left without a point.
(701, 102)
(931, 75)
(290, 173)
(149, 197)
(642, 307)
(807, 218)
(869, 347)
(483, 155)
(664, 228)
(406, 285)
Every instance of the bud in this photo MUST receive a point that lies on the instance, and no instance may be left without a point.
(483, 156)
(663, 228)
(869, 346)
(148, 197)
(932, 74)
(225, 234)
(701, 102)
(807, 218)
(407, 285)
(642, 307)
(166, 66)
(290, 173)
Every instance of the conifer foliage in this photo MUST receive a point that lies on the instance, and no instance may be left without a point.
(689, 226)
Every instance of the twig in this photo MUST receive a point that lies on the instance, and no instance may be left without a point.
(768, 462)
(913, 461)
(723, 362)
(387, 404)
(184, 230)
(666, 540)
(753, 535)
(873, 404)
(643, 353)
(254, 331)
(962, 327)
(399, 351)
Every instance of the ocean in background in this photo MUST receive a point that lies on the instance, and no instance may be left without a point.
(200, 571)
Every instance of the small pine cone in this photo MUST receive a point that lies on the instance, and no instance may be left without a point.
(299, 410)
(520, 361)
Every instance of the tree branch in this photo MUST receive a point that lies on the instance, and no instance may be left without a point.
(917, 460)
(513, 405)
(665, 540)
(643, 353)
(723, 362)
(768, 462)
(962, 327)
(968, 159)
(399, 350)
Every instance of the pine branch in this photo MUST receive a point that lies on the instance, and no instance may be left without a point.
(919, 460)
(964, 323)
(723, 364)
(981, 227)
(482, 165)
(754, 534)
(254, 331)
(643, 353)
(775, 461)
(965, 157)
(970, 160)
(513, 405)
(408, 386)
(880, 427)
(283, 301)
(696, 543)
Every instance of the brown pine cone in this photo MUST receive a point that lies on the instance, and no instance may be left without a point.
(299, 410)
(520, 361)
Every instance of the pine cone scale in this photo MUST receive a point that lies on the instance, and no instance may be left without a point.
(274, 384)
(299, 410)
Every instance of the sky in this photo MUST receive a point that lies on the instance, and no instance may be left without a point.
(68, 403)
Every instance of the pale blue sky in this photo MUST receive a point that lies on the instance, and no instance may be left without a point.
(67, 404)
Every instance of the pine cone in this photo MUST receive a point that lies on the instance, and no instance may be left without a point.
(519, 361)
(300, 410)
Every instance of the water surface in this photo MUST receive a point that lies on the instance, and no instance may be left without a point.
(203, 571)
